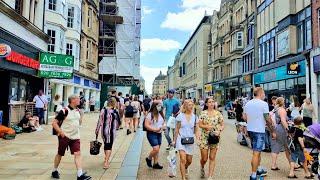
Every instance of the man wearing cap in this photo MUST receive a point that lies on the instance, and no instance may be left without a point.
(168, 105)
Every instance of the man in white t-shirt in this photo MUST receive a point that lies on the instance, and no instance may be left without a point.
(41, 105)
(256, 113)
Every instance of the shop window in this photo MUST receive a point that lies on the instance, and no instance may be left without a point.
(69, 49)
(14, 82)
(70, 17)
(52, 42)
(273, 86)
(52, 5)
(290, 83)
(23, 88)
(302, 81)
(282, 85)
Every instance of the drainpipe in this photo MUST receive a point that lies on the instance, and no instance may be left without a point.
(307, 56)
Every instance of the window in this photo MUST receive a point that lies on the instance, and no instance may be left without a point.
(90, 18)
(88, 50)
(239, 39)
(52, 5)
(51, 44)
(319, 26)
(267, 49)
(272, 51)
(18, 6)
(308, 34)
(300, 37)
(69, 49)
(70, 17)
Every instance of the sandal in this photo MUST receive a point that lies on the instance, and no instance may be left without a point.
(309, 177)
(106, 166)
(292, 177)
(275, 169)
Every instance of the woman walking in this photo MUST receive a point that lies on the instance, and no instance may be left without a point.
(279, 143)
(308, 112)
(57, 104)
(137, 106)
(294, 107)
(154, 125)
(185, 133)
(108, 124)
(211, 125)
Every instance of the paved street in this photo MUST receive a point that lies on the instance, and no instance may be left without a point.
(30, 156)
(233, 161)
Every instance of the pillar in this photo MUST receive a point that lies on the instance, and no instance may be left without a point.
(70, 91)
(87, 97)
(97, 99)
(26, 8)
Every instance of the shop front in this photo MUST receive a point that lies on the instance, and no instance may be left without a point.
(315, 77)
(232, 88)
(208, 90)
(218, 92)
(285, 81)
(246, 85)
(19, 81)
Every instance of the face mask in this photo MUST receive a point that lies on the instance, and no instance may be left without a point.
(159, 108)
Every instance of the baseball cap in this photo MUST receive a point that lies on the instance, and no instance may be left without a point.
(171, 91)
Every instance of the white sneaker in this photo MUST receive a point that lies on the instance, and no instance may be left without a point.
(210, 178)
(39, 128)
(187, 173)
(202, 173)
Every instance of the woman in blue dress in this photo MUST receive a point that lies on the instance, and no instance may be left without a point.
(186, 129)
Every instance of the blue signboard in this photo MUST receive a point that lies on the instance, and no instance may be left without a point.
(278, 74)
(316, 63)
(76, 79)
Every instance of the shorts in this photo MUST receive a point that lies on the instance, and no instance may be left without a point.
(121, 112)
(155, 139)
(128, 115)
(73, 144)
(136, 115)
(297, 155)
(257, 141)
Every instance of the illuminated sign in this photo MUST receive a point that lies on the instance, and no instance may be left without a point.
(293, 68)
(23, 60)
(4, 50)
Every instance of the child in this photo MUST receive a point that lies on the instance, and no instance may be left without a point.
(298, 149)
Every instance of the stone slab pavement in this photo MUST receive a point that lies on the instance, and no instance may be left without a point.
(30, 156)
(232, 162)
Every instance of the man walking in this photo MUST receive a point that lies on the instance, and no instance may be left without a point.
(66, 126)
(41, 105)
(168, 105)
(256, 113)
(121, 108)
(82, 104)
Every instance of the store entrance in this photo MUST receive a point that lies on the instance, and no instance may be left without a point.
(4, 82)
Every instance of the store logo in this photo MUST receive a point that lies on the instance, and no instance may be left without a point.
(293, 68)
(5, 50)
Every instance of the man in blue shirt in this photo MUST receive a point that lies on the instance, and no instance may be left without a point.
(168, 105)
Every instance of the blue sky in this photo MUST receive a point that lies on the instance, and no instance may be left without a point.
(166, 27)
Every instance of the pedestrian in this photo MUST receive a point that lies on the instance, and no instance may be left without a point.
(146, 104)
(114, 95)
(108, 124)
(41, 105)
(66, 126)
(82, 104)
(279, 143)
(294, 107)
(186, 133)
(168, 107)
(155, 124)
(128, 114)
(256, 113)
(57, 104)
(92, 103)
(239, 110)
(136, 115)
(197, 108)
(298, 149)
(121, 109)
(308, 112)
(211, 125)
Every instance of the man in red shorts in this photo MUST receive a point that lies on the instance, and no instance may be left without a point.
(66, 126)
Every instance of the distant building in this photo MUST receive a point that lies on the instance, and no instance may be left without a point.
(160, 85)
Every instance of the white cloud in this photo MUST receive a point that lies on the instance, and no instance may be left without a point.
(149, 73)
(156, 44)
(146, 10)
(192, 13)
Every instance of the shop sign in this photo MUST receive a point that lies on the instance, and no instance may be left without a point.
(293, 68)
(208, 88)
(316, 64)
(4, 50)
(247, 79)
(23, 60)
(56, 66)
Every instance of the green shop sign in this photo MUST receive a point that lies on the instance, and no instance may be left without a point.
(56, 66)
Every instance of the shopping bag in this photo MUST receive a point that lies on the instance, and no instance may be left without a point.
(172, 163)
(95, 146)
(171, 122)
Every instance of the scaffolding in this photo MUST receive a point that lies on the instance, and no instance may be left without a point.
(119, 43)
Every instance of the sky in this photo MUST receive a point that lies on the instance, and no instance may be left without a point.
(166, 27)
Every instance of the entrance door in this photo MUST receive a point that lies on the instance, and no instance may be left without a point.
(4, 82)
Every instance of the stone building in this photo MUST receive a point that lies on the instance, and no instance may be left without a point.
(159, 86)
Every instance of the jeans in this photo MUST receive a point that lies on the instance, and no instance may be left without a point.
(40, 114)
(167, 134)
(257, 141)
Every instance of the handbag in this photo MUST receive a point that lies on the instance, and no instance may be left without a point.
(188, 140)
(95, 146)
(213, 139)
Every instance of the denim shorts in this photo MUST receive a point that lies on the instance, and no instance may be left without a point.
(154, 139)
(257, 141)
(297, 155)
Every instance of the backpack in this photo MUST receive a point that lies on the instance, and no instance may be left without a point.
(66, 112)
(17, 129)
(130, 109)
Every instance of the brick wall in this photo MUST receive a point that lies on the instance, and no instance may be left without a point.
(315, 23)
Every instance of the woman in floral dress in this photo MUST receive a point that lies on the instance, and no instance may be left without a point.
(210, 122)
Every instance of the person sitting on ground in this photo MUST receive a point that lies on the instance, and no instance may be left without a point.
(30, 123)
(297, 153)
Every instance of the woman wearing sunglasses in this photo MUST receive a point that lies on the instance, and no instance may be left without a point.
(154, 124)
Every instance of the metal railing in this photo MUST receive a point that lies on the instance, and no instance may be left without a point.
(18, 109)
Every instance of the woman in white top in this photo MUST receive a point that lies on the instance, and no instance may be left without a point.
(154, 124)
(57, 104)
(136, 105)
(186, 129)
(294, 107)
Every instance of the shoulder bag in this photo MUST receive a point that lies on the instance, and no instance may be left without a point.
(188, 140)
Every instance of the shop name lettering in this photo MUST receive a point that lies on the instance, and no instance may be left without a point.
(52, 59)
(23, 60)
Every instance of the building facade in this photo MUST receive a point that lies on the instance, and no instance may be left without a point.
(21, 40)
(159, 86)
(68, 26)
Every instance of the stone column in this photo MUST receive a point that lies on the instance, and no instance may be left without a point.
(32, 11)
(87, 97)
(26, 8)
